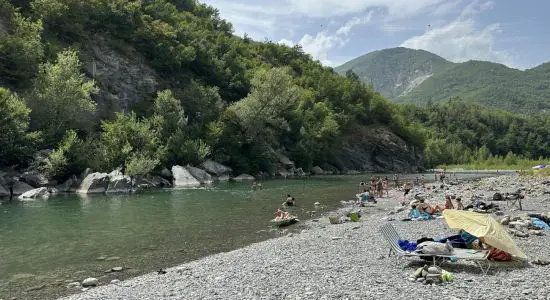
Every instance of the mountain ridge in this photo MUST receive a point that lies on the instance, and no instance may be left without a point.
(417, 76)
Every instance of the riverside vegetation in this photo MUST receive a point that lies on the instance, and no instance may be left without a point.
(202, 92)
(144, 85)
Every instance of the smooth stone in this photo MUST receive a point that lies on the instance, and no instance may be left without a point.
(112, 258)
(114, 281)
(90, 282)
(116, 269)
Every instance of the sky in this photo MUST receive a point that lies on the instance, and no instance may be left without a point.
(510, 32)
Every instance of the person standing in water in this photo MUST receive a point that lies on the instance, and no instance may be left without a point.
(290, 201)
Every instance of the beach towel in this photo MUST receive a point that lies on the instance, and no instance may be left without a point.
(540, 224)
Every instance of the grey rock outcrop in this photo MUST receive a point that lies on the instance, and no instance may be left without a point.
(200, 175)
(20, 188)
(34, 179)
(119, 183)
(68, 186)
(215, 168)
(244, 177)
(377, 149)
(183, 178)
(34, 194)
(165, 173)
(123, 76)
(94, 183)
(149, 182)
(317, 171)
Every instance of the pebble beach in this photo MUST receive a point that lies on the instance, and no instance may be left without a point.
(350, 260)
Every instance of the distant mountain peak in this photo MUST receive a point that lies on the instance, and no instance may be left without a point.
(409, 75)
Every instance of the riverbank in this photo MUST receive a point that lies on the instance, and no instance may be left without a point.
(347, 261)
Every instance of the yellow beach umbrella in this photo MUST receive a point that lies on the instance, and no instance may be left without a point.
(483, 226)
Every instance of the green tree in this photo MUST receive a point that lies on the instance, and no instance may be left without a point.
(16, 140)
(263, 111)
(21, 49)
(62, 98)
(126, 138)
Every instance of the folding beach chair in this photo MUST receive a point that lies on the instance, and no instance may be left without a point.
(514, 203)
(479, 257)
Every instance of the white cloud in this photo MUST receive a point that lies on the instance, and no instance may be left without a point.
(461, 39)
(265, 17)
(323, 42)
(346, 29)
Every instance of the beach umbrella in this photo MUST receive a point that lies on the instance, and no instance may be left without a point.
(483, 226)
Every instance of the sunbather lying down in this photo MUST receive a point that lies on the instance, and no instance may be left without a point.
(462, 240)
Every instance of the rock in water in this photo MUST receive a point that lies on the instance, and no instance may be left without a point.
(119, 183)
(200, 175)
(116, 269)
(183, 178)
(215, 168)
(94, 183)
(90, 282)
(317, 170)
(244, 177)
(36, 193)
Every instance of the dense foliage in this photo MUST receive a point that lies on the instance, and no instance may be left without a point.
(419, 77)
(219, 96)
(459, 132)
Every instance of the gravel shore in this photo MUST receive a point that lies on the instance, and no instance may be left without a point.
(349, 261)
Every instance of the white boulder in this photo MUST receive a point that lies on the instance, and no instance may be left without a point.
(183, 178)
(36, 193)
(94, 183)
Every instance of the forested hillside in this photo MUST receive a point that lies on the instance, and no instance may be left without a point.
(148, 84)
(459, 132)
(416, 76)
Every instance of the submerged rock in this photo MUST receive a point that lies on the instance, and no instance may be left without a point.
(244, 177)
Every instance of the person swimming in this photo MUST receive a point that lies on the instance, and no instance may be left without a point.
(290, 201)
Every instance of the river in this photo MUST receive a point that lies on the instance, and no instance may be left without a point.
(45, 244)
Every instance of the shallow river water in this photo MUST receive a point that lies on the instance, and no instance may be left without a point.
(46, 243)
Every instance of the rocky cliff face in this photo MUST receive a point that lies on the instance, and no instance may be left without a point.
(377, 149)
(120, 71)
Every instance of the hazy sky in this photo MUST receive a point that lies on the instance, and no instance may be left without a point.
(512, 32)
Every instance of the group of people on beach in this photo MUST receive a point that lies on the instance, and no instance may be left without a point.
(419, 207)
(376, 187)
